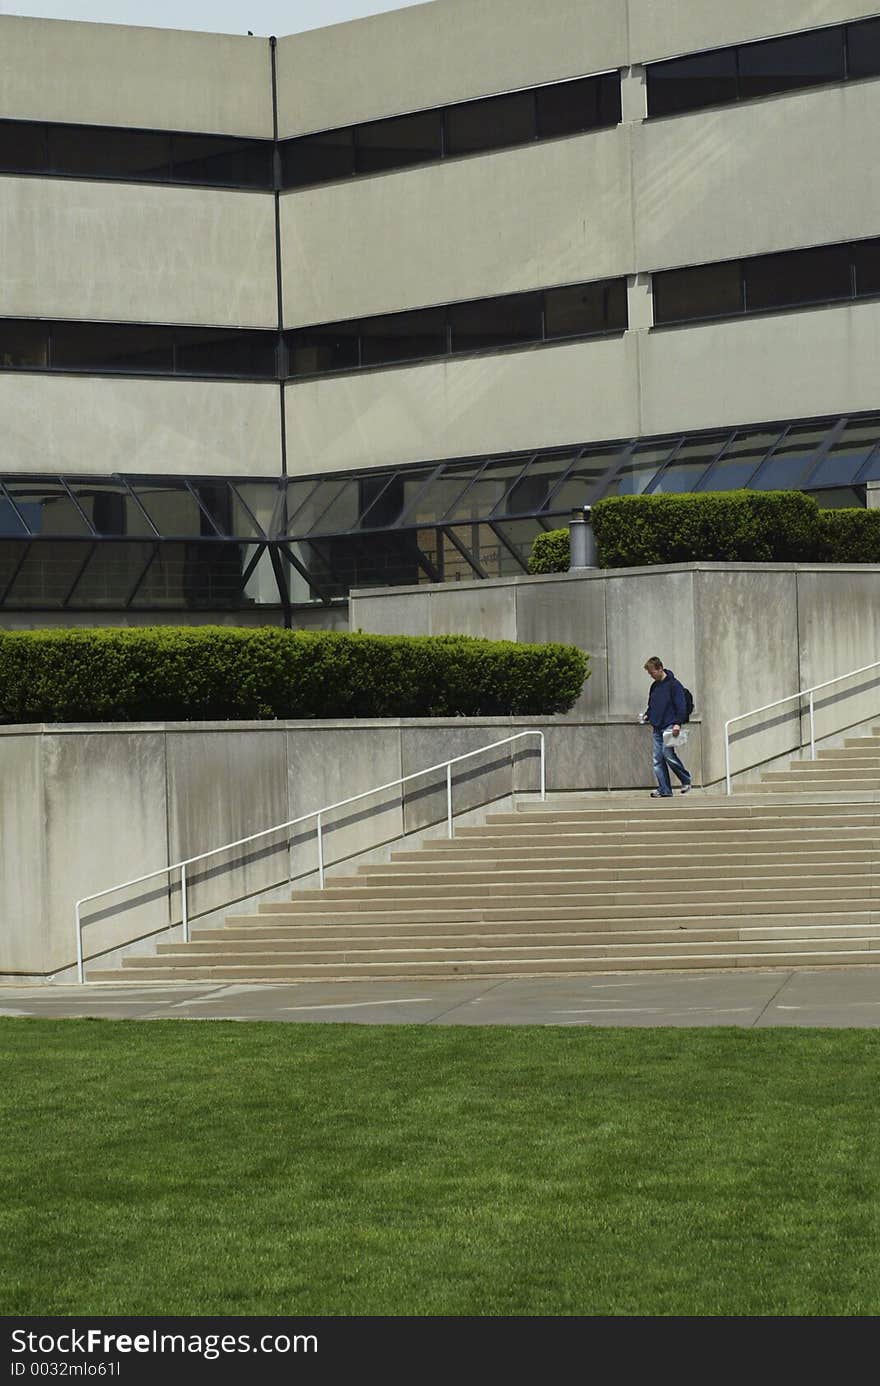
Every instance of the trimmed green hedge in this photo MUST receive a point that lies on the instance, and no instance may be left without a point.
(735, 526)
(218, 673)
(850, 536)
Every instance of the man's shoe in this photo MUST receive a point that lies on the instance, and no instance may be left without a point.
(686, 788)
(655, 794)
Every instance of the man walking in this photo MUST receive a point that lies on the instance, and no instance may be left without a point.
(666, 711)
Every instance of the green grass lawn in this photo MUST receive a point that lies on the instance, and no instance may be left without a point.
(181, 1167)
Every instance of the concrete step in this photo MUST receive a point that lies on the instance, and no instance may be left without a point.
(794, 857)
(411, 881)
(497, 949)
(378, 890)
(584, 911)
(256, 939)
(667, 894)
(477, 968)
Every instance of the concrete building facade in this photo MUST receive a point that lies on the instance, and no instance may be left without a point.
(375, 304)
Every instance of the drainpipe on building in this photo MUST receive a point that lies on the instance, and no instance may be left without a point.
(582, 539)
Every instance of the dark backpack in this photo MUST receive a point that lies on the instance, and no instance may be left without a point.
(688, 702)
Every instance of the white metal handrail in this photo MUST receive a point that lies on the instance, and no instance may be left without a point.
(801, 693)
(181, 866)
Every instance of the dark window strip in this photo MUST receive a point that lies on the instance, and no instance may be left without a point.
(768, 283)
(135, 156)
(491, 324)
(468, 127)
(97, 348)
(741, 72)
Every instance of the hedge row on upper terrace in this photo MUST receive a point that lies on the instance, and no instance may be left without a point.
(733, 526)
(219, 673)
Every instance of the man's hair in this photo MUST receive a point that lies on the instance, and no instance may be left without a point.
(654, 663)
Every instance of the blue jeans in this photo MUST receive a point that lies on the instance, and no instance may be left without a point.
(664, 757)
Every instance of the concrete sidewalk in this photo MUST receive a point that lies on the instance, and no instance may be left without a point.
(838, 997)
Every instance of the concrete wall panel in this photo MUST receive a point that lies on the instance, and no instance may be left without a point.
(552, 213)
(708, 185)
(433, 54)
(839, 631)
(785, 366)
(512, 401)
(648, 613)
(105, 822)
(108, 74)
(220, 789)
(747, 657)
(572, 613)
(666, 28)
(328, 763)
(132, 253)
(90, 425)
(23, 923)
(473, 781)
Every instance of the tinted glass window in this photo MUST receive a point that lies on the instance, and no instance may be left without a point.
(332, 347)
(688, 466)
(803, 276)
(173, 509)
(568, 107)
(110, 575)
(580, 484)
(739, 461)
(789, 462)
(496, 322)
(403, 336)
(685, 84)
(708, 291)
(91, 150)
(207, 575)
(111, 346)
(209, 351)
(11, 554)
(863, 48)
(413, 139)
(490, 124)
(10, 521)
(799, 60)
(530, 491)
(23, 344)
(22, 146)
(47, 508)
(381, 501)
(218, 159)
(848, 455)
(866, 258)
(342, 513)
(640, 469)
(251, 505)
(317, 158)
(426, 503)
(585, 308)
(47, 574)
(110, 507)
(484, 494)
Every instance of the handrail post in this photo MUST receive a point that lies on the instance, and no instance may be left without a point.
(449, 797)
(727, 754)
(184, 903)
(320, 855)
(812, 730)
(80, 966)
(543, 770)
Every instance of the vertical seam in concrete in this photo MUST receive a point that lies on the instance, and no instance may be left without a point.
(169, 882)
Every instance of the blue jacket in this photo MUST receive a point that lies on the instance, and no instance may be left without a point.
(666, 702)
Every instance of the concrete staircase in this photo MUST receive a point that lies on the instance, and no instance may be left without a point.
(583, 886)
(853, 768)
